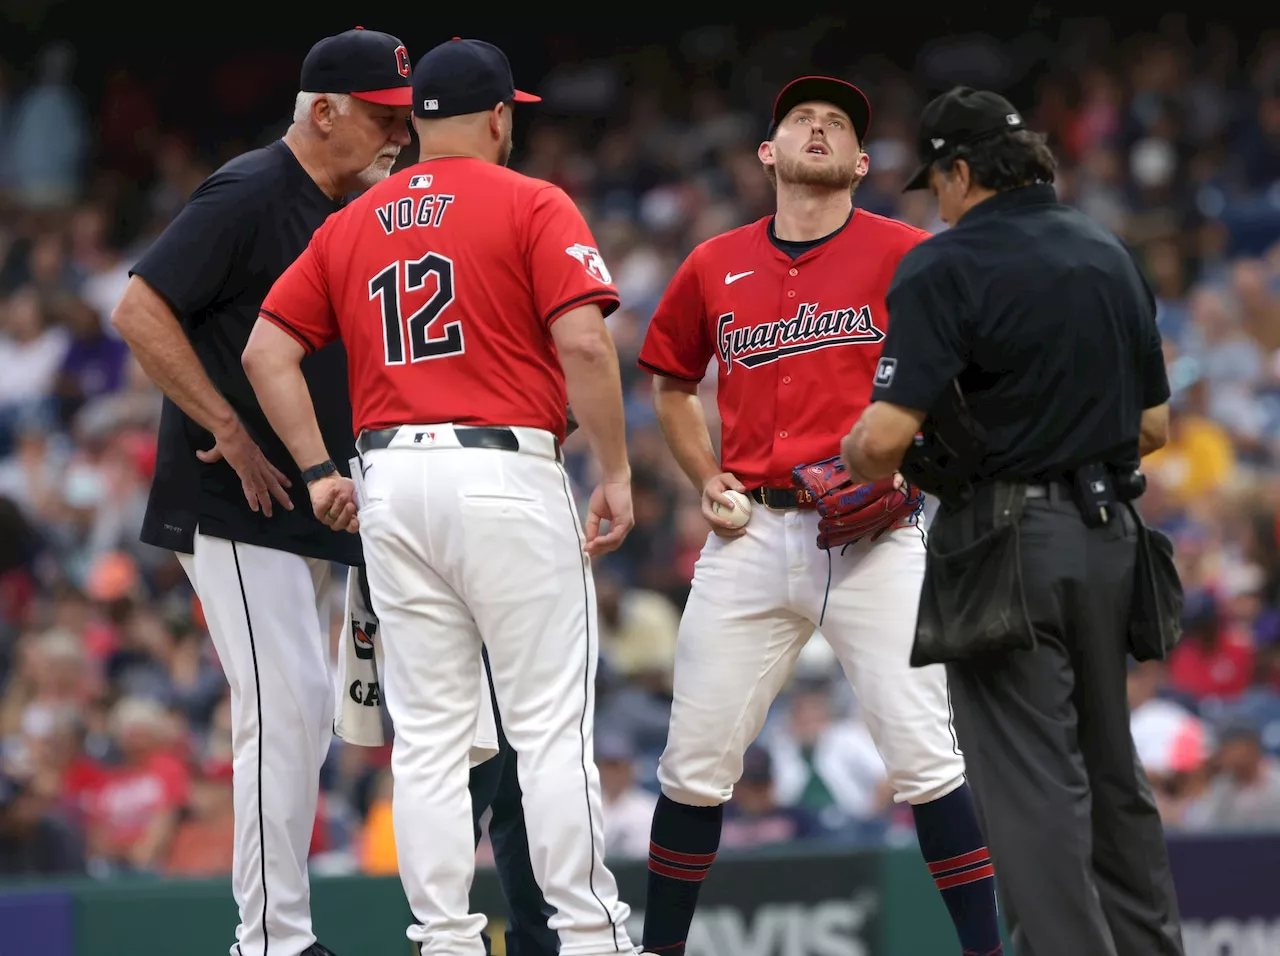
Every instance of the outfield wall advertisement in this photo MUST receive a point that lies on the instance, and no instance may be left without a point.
(818, 903)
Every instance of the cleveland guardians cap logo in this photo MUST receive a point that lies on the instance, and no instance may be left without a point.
(362, 638)
(402, 61)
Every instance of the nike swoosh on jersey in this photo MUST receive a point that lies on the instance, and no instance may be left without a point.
(730, 278)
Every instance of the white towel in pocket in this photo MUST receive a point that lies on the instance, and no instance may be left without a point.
(360, 661)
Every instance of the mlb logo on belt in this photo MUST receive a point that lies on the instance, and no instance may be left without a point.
(424, 438)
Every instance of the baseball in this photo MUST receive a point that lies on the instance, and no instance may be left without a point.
(739, 514)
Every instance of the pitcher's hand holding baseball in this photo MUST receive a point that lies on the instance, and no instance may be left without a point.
(723, 513)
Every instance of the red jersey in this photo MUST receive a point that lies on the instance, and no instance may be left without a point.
(797, 341)
(123, 800)
(442, 282)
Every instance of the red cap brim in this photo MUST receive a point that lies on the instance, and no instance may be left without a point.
(396, 96)
(523, 97)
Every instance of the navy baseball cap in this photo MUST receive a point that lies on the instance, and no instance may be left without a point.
(463, 76)
(369, 65)
(958, 117)
(829, 90)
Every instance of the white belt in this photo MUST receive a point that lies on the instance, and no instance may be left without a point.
(426, 437)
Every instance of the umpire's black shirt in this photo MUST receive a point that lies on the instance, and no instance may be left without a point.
(214, 265)
(1047, 324)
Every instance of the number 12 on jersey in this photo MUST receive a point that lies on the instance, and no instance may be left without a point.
(424, 342)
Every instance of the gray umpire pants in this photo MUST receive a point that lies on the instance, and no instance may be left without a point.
(1077, 843)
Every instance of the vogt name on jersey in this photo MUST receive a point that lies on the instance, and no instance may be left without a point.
(806, 331)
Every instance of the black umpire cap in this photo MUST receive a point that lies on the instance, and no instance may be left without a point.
(829, 90)
(464, 76)
(958, 117)
(367, 64)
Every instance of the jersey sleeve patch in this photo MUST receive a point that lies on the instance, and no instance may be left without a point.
(591, 261)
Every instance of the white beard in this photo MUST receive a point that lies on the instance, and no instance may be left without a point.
(377, 171)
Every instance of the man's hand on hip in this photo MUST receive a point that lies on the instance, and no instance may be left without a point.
(260, 479)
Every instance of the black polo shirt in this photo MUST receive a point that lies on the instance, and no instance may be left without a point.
(214, 265)
(1047, 324)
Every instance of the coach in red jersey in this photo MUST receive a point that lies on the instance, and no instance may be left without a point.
(791, 310)
(471, 301)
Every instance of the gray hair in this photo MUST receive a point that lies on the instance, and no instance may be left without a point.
(302, 104)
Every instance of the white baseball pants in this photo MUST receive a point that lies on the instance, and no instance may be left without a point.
(471, 545)
(270, 626)
(754, 603)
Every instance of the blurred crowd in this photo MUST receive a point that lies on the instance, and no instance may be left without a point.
(113, 711)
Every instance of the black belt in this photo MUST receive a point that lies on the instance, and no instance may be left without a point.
(480, 436)
(781, 499)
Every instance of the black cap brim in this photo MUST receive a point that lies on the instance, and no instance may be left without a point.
(826, 89)
(919, 179)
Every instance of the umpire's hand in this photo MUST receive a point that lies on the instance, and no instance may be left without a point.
(260, 479)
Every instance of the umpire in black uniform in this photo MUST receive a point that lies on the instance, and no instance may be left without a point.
(1021, 379)
(229, 501)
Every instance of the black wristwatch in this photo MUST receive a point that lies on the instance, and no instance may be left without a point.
(315, 472)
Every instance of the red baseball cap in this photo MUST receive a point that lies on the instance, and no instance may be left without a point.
(369, 65)
(828, 90)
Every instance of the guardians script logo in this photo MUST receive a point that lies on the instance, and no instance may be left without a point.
(806, 331)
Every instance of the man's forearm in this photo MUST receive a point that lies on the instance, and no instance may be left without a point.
(874, 448)
(161, 347)
(684, 426)
(286, 401)
(864, 460)
(594, 385)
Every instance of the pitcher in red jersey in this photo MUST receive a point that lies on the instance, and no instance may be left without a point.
(791, 309)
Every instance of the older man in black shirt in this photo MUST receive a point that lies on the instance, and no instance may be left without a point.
(226, 496)
(1022, 358)
(229, 500)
